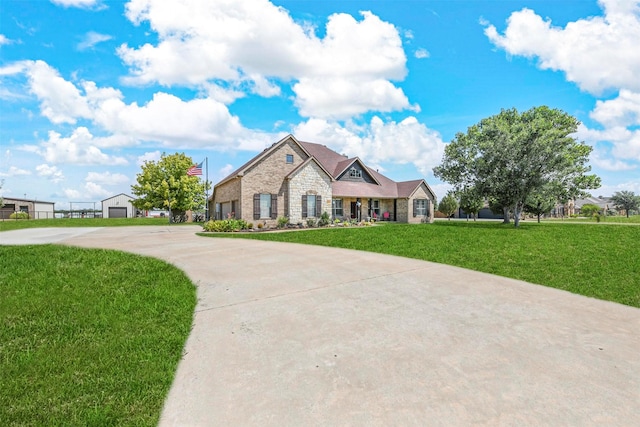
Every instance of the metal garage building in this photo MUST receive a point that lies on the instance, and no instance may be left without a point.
(36, 209)
(118, 207)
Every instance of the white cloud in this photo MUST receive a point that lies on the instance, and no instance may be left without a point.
(340, 98)
(4, 40)
(52, 173)
(621, 111)
(628, 185)
(224, 172)
(257, 42)
(14, 171)
(84, 4)
(422, 53)
(91, 39)
(625, 142)
(77, 149)
(89, 191)
(167, 119)
(60, 100)
(152, 156)
(404, 142)
(597, 53)
(107, 178)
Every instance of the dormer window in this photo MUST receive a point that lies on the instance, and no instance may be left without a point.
(355, 173)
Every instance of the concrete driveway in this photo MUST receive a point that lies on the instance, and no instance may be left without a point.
(293, 335)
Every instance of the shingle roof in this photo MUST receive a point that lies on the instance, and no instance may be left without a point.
(327, 157)
(334, 164)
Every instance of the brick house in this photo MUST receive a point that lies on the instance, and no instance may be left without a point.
(301, 180)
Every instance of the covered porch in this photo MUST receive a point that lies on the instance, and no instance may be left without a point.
(364, 209)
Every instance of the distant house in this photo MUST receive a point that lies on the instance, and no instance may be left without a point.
(37, 209)
(301, 180)
(118, 206)
(604, 203)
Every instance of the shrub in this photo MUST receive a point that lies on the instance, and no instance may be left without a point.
(282, 222)
(324, 220)
(225, 225)
(19, 215)
(589, 210)
(311, 222)
(260, 225)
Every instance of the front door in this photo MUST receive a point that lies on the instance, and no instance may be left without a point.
(354, 207)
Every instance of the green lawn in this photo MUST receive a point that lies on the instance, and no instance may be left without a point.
(87, 336)
(12, 224)
(596, 260)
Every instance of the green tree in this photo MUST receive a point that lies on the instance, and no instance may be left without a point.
(471, 202)
(539, 204)
(165, 185)
(1, 198)
(448, 205)
(589, 209)
(626, 200)
(512, 155)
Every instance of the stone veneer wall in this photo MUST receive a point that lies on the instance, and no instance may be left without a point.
(403, 210)
(268, 177)
(420, 193)
(311, 180)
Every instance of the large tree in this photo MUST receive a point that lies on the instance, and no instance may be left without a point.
(626, 200)
(165, 185)
(511, 156)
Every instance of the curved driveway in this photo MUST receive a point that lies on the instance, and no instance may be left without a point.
(291, 335)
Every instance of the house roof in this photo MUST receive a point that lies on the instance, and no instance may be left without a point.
(602, 202)
(334, 164)
(242, 169)
(305, 163)
(5, 198)
(118, 195)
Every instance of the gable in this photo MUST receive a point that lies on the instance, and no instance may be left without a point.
(286, 146)
(356, 172)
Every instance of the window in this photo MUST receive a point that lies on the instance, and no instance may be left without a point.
(355, 173)
(290, 159)
(24, 208)
(375, 208)
(336, 208)
(311, 206)
(265, 205)
(420, 207)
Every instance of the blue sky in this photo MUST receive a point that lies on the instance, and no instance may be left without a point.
(90, 89)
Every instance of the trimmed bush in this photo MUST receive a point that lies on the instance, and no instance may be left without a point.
(225, 225)
(19, 215)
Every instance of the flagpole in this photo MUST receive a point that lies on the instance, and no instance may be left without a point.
(206, 188)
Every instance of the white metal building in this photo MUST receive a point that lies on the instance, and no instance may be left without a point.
(118, 207)
(37, 209)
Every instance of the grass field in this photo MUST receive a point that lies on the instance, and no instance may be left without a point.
(596, 260)
(88, 337)
(11, 224)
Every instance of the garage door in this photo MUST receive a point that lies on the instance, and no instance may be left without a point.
(117, 212)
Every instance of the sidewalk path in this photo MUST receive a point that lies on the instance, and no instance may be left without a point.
(292, 335)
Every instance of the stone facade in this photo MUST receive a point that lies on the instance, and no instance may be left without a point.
(311, 180)
(407, 207)
(287, 172)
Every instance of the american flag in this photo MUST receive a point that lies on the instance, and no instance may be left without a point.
(195, 170)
